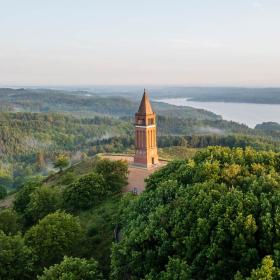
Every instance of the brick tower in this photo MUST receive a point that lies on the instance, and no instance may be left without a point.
(145, 134)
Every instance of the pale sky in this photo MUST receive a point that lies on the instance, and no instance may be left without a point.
(140, 42)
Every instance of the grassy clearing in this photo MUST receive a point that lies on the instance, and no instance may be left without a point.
(70, 174)
(176, 152)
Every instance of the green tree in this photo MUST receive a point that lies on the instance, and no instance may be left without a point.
(9, 221)
(16, 258)
(3, 192)
(43, 200)
(84, 193)
(115, 173)
(176, 269)
(73, 269)
(23, 196)
(56, 235)
(62, 161)
(266, 271)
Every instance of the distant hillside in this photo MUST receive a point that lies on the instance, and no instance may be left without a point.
(223, 94)
(85, 104)
(21, 133)
(29, 139)
(218, 94)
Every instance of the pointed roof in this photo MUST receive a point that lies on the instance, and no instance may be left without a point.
(145, 107)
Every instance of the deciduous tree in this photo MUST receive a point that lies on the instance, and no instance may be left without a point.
(56, 235)
(73, 269)
(16, 258)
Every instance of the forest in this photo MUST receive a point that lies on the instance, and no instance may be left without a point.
(214, 215)
(30, 142)
(210, 213)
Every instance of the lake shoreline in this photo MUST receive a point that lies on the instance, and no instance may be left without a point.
(249, 114)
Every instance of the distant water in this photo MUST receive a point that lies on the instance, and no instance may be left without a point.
(245, 113)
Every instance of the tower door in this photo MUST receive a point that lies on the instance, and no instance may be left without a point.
(153, 160)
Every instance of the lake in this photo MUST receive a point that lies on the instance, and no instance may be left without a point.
(246, 113)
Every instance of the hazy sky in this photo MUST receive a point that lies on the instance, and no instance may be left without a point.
(143, 42)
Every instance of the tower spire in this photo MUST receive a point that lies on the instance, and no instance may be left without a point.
(145, 107)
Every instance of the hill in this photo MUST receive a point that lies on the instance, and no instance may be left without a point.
(211, 216)
(223, 94)
(96, 209)
(86, 104)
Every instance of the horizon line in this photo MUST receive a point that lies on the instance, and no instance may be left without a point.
(50, 86)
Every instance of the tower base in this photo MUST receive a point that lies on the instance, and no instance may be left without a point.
(146, 159)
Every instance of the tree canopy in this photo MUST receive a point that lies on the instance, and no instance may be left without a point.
(73, 269)
(213, 217)
(56, 235)
(23, 195)
(9, 221)
(43, 200)
(85, 192)
(114, 172)
(61, 162)
(16, 258)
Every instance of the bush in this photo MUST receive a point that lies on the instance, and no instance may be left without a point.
(73, 269)
(84, 193)
(16, 258)
(56, 235)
